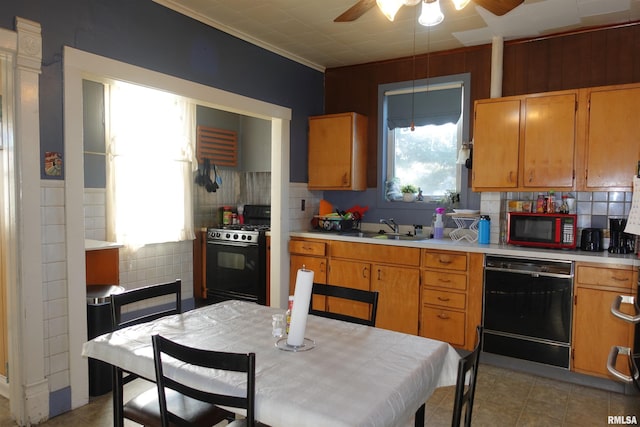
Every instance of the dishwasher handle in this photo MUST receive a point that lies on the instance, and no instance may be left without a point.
(530, 272)
(625, 299)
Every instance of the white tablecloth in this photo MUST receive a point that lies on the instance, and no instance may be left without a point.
(355, 375)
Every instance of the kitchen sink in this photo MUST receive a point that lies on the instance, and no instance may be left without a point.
(383, 236)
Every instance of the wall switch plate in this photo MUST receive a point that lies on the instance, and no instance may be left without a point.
(302, 204)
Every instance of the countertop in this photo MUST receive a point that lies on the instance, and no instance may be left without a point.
(492, 249)
(95, 245)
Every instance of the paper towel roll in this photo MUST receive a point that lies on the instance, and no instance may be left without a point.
(301, 300)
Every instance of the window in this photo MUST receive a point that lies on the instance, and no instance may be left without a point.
(150, 163)
(425, 157)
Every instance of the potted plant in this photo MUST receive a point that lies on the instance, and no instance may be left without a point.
(409, 192)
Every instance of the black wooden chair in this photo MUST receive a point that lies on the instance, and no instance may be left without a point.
(214, 360)
(144, 408)
(358, 295)
(463, 400)
(467, 366)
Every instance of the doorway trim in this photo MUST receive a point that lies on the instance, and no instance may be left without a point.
(79, 65)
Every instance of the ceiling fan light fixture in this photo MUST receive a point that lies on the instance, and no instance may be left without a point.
(460, 4)
(389, 8)
(431, 13)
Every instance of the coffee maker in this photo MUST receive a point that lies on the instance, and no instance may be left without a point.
(619, 241)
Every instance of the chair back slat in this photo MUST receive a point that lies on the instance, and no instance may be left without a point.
(463, 401)
(358, 295)
(236, 362)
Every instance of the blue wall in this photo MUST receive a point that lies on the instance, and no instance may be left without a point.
(143, 33)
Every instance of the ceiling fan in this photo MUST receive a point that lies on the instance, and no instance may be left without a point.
(497, 7)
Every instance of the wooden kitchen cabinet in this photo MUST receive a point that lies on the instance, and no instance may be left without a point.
(496, 141)
(451, 296)
(525, 142)
(311, 254)
(349, 274)
(102, 266)
(338, 152)
(390, 270)
(612, 145)
(398, 297)
(595, 329)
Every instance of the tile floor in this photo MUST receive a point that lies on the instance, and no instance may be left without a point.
(503, 398)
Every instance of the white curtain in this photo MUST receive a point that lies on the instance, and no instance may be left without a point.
(150, 164)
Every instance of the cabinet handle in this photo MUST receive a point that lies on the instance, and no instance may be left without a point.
(620, 279)
(379, 274)
(443, 299)
(322, 269)
(510, 176)
(443, 316)
(531, 176)
(444, 280)
(444, 261)
(364, 272)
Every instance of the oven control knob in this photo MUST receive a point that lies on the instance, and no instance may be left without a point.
(249, 238)
(228, 235)
(235, 236)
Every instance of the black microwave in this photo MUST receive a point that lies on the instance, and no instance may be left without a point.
(541, 230)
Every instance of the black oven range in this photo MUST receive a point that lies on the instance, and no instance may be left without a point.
(236, 263)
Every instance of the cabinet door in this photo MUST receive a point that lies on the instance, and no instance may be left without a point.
(337, 152)
(613, 141)
(398, 299)
(316, 264)
(596, 331)
(496, 140)
(549, 140)
(349, 274)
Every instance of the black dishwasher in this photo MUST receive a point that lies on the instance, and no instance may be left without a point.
(527, 309)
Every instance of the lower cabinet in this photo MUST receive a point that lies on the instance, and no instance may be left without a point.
(595, 329)
(451, 296)
(391, 270)
(310, 254)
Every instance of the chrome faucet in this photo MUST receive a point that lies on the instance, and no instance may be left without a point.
(391, 224)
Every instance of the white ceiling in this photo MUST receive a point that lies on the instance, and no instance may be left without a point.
(303, 30)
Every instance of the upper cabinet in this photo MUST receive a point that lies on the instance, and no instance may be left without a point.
(496, 143)
(338, 152)
(582, 140)
(612, 143)
(525, 142)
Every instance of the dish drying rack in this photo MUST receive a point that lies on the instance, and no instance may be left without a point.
(467, 226)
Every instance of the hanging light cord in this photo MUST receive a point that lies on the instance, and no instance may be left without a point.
(413, 72)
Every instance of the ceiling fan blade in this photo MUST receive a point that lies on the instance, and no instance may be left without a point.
(499, 7)
(356, 11)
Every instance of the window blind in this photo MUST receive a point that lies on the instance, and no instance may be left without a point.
(426, 107)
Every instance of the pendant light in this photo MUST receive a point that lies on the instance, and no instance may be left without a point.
(389, 8)
(431, 13)
(460, 4)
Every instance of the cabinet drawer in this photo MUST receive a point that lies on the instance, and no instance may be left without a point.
(443, 325)
(444, 299)
(306, 247)
(602, 276)
(444, 279)
(446, 260)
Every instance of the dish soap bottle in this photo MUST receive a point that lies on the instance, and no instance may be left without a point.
(438, 226)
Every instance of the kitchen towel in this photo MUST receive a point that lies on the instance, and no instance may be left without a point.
(301, 300)
(633, 222)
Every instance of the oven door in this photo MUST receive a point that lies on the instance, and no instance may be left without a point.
(235, 270)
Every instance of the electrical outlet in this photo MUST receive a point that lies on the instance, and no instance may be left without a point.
(302, 204)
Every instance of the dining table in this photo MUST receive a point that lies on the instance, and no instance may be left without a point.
(344, 374)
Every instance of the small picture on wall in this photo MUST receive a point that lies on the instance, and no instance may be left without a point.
(52, 163)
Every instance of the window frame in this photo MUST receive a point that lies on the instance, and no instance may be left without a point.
(383, 145)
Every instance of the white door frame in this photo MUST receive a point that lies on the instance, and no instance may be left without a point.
(28, 386)
(79, 65)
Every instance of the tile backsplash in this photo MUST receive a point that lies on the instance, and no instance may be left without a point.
(592, 208)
